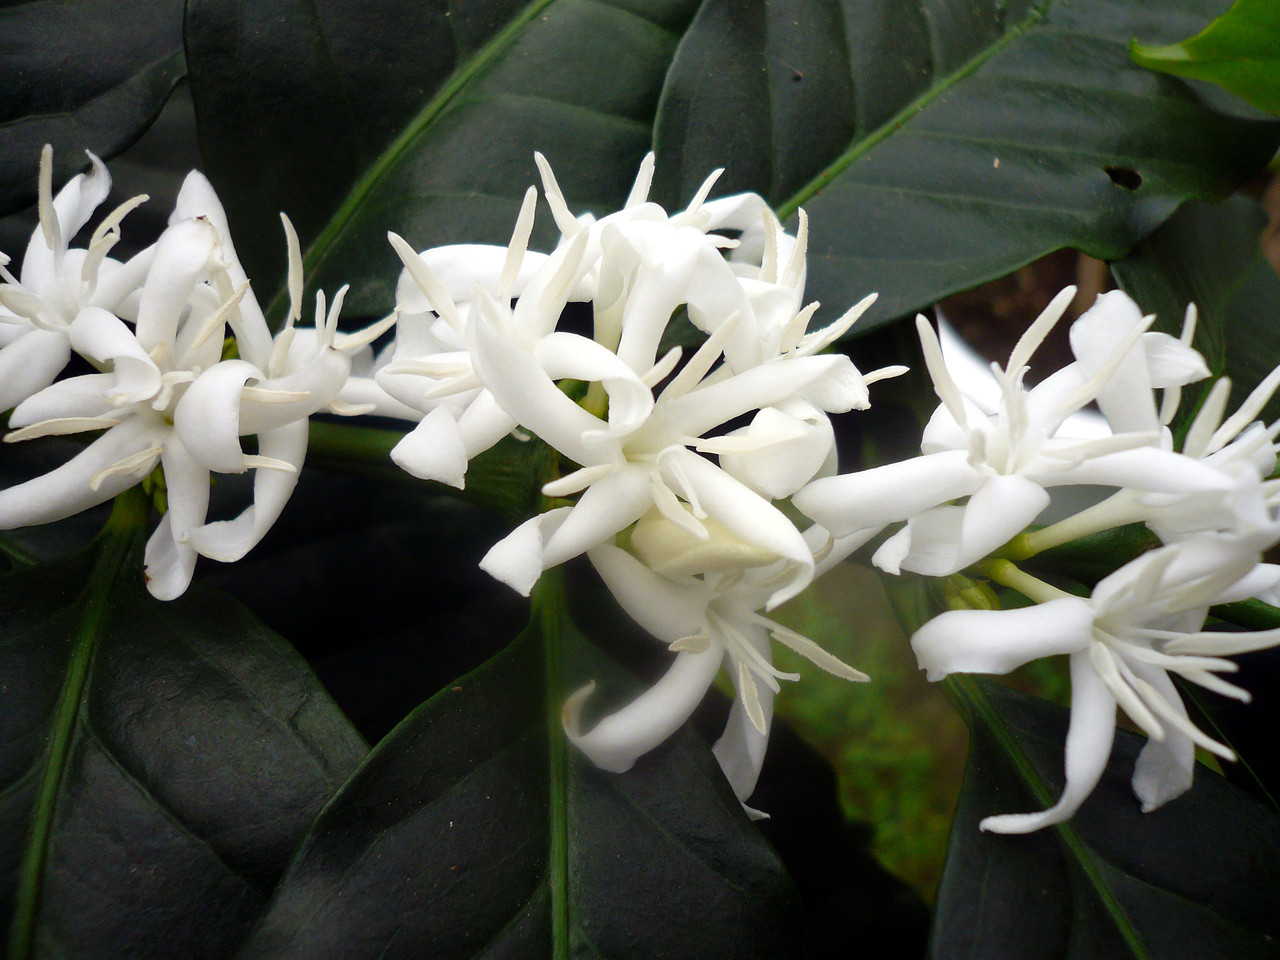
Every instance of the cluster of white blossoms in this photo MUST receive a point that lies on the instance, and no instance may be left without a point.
(184, 366)
(1211, 504)
(671, 463)
(681, 477)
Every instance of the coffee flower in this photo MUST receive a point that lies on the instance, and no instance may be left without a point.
(1005, 463)
(56, 282)
(1141, 625)
(706, 608)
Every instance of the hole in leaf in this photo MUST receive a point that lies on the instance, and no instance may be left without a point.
(1126, 177)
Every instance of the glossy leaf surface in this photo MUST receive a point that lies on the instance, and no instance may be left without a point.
(155, 757)
(1195, 878)
(80, 76)
(576, 79)
(983, 135)
(474, 830)
(1240, 50)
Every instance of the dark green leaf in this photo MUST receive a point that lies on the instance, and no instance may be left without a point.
(1197, 878)
(80, 75)
(160, 763)
(576, 79)
(1239, 50)
(474, 830)
(296, 99)
(1209, 255)
(984, 135)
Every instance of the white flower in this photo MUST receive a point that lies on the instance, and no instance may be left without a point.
(56, 282)
(708, 615)
(640, 457)
(1141, 624)
(166, 397)
(1002, 463)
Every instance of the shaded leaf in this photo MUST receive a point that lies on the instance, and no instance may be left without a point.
(1239, 50)
(159, 761)
(1210, 255)
(1198, 877)
(79, 75)
(475, 830)
(984, 135)
(576, 79)
(296, 99)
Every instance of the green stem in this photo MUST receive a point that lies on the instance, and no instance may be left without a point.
(549, 609)
(118, 538)
(1006, 574)
(1116, 511)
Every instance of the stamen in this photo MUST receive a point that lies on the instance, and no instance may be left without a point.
(259, 462)
(795, 263)
(703, 359)
(427, 281)
(1247, 412)
(811, 651)
(660, 370)
(829, 334)
(750, 697)
(111, 222)
(644, 181)
(1205, 428)
(694, 643)
(265, 395)
(1035, 334)
(295, 268)
(48, 218)
(350, 342)
(577, 481)
(793, 333)
(139, 463)
(218, 318)
(565, 220)
(769, 261)
(58, 427)
(943, 385)
(519, 244)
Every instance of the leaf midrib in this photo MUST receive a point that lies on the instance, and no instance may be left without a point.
(977, 698)
(392, 155)
(1036, 15)
(118, 538)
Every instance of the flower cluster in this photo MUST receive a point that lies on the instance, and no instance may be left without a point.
(184, 366)
(671, 463)
(1211, 504)
(680, 477)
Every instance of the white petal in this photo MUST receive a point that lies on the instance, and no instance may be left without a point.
(182, 259)
(667, 610)
(945, 540)
(743, 513)
(1145, 468)
(617, 741)
(207, 418)
(516, 559)
(65, 490)
(1165, 767)
(780, 469)
(169, 560)
(229, 540)
(567, 355)
(317, 384)
(998, 641)
(433, 450)
(1170, 362)
(30, 363)
(104, 337)
(869, 498)
(1126, 397)
(607, 506)
(1089, 737)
